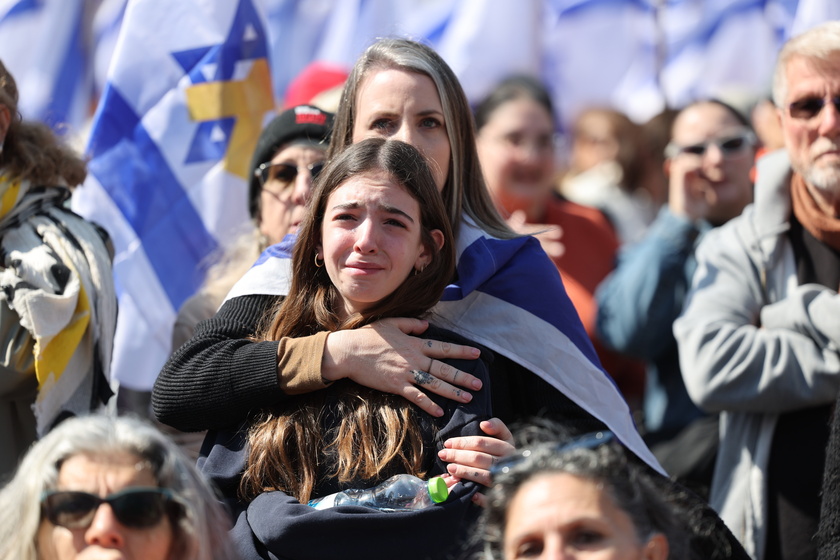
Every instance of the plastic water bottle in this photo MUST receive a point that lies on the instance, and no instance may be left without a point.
(399, 493)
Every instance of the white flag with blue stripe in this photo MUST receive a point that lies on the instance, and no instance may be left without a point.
(187, 94)
(42, 44)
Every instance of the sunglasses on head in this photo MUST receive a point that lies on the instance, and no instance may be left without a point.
(284, 173)
(586, 441)
(810, 107)
(728, 145)
(136, 508)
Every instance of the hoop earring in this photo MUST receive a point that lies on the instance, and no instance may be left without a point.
(316, 261)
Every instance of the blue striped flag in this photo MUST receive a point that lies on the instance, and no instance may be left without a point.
(42, 44)
(510, 298)
(187, 94)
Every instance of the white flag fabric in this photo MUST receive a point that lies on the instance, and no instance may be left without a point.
(187, 94)
(43, 46)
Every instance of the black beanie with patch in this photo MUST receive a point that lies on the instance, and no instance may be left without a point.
(301, 124)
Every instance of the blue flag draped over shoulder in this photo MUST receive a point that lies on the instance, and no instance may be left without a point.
(510, 298)
(188, 91)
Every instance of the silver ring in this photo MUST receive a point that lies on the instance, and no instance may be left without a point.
(422, 377)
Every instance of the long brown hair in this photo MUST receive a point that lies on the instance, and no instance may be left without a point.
(464, 191)
(31, 151)
(375, 430)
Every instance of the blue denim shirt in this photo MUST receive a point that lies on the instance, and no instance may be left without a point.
(637, 306)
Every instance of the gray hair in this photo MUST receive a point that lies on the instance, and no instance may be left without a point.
(630, 487)
(818, 43)
(200, 529)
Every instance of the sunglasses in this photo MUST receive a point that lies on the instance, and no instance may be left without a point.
(587, 441)
(136, 508)
(728, 145)
(284, 173)
(810, 107)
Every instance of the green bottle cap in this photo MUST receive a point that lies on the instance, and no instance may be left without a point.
(438, 490)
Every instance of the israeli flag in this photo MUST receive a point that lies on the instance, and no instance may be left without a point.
(187, 94)
(42, 44)
(509, 297)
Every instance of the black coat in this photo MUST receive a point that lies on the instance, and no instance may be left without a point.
(275, 525)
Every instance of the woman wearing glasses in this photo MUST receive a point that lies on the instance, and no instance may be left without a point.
(106, 487)
(289, 154)
(708, 162)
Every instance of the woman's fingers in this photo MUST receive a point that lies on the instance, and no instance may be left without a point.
(453, 375)
(437, 349)
(441, 378)
(473, 457)
(422, 400)
(477, 451)
(382, 356)
(498, 429)
(464, 471)
(435, 385)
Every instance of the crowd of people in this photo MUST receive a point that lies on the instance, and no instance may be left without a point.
(602, 359)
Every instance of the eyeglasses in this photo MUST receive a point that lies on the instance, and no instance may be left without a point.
(587, 441)
(133, 507)
(284, 173)
(808, 108)
(728, 145)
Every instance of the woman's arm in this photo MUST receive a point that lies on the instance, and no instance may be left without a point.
(220, 375)
(384, 356)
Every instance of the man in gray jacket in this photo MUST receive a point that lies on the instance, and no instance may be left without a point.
(759, 338)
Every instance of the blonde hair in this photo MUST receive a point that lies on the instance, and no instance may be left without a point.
(464, 191)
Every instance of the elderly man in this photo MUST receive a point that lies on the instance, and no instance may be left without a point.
(708, 162)
(760, 333)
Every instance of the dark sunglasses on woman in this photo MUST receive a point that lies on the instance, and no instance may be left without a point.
(136, 508)
(728, 145)
(284, 173)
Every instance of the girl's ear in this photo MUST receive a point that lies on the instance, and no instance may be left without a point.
(425, 256)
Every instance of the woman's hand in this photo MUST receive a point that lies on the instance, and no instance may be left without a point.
(384, 357)
(550, 236)
(471, 457)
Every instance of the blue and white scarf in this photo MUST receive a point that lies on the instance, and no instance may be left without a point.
(509, 297)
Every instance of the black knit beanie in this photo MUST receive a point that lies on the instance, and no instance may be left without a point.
(298, 124)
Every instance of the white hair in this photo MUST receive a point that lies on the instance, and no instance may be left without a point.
(200, 530)
(818, 43)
